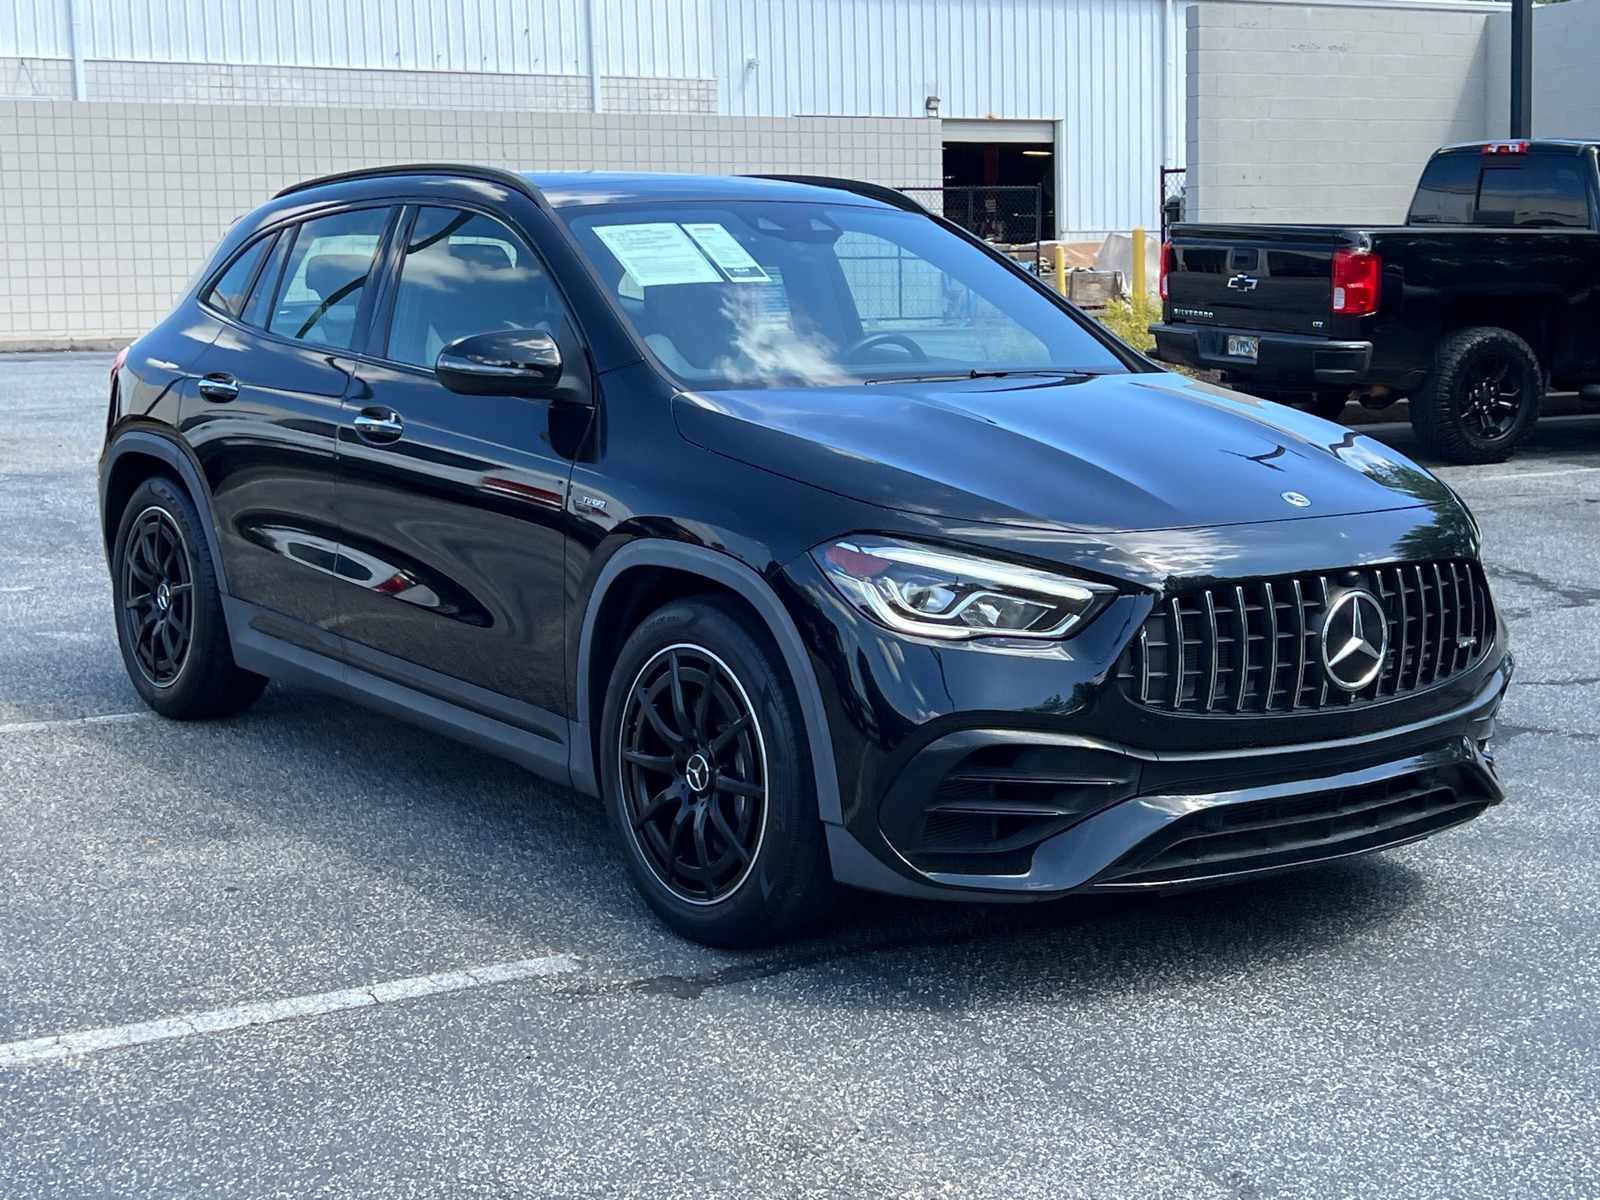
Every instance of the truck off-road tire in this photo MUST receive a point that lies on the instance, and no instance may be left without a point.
(707, 778)
(168, 609)
(1482, 398)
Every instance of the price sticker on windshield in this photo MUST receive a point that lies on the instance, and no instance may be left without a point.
(723, 248)
(658, 254)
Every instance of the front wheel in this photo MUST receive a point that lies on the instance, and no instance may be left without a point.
(169, 618)
(707, 778)
(1482, 398)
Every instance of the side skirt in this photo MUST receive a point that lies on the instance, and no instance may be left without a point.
(282, 648)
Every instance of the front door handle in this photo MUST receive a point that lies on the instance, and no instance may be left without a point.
(379, 425)
(219, 386)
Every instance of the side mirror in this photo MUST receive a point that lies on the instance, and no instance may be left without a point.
(507, 362)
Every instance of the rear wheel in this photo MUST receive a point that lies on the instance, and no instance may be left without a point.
(708, 782)
(1482, 398)
(170, 626)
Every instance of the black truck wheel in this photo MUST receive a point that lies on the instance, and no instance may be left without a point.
(1482, 398)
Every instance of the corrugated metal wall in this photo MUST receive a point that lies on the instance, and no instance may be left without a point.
(1094, 65)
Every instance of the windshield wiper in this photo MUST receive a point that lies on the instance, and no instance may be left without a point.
(1049, 372)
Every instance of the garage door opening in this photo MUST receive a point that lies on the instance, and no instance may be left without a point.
(1002, 191)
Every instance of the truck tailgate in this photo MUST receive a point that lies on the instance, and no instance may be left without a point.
(1270, 277)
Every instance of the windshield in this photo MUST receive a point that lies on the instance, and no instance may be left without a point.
(758, 294)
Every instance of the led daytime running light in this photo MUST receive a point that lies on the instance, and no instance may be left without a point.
(937, 593)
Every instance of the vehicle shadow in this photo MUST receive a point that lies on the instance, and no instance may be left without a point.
(502, 850)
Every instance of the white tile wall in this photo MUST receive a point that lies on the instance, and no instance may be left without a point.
(1325, 114)
(107, 209)
(223, 83)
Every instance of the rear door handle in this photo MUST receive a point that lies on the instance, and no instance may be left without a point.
(220, 387)
(379, 425)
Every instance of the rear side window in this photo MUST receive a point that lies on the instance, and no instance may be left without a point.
(326, 275)
(229, 291)
(1447, 191)
(1553, 191)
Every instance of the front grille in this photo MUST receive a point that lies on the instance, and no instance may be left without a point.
(1258, 835)
(1254, 646)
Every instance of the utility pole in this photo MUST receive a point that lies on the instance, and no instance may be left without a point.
(1522, 68)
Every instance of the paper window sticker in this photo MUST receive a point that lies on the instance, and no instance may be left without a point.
(659, 254)
(723, 248)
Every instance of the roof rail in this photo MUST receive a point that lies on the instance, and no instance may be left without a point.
(872, 191)
(471, 170)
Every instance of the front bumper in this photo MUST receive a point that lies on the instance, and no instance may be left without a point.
(1284, 361)
(1167, 821)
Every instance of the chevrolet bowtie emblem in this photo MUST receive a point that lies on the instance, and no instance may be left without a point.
(1243, 283)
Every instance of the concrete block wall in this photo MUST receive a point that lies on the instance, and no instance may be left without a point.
(1325, 113)
(134, 81)
(107, 209)
(1566, 71)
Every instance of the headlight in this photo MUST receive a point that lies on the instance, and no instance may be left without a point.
(939, 593)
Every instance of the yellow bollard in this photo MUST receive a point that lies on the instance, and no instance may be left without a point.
(1061, 268)
(1138, 262)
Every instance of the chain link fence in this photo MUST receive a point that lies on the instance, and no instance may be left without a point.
(1012, 215)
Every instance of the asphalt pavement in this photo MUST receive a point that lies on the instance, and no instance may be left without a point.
(1421, 1023)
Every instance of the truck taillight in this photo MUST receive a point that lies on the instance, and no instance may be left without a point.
(1357, 279)
(1505, 148)
(1166, 268)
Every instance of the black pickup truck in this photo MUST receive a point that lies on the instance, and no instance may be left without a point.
(1488, 295)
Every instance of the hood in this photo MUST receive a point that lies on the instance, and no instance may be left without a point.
(1110, 453)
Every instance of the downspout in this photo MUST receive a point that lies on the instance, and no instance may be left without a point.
(80, 86)
(596, 104)
(1169, 91)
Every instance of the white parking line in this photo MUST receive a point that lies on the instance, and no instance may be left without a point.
(91, 1041)
(73, 722)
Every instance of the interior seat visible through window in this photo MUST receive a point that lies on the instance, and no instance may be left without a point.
(464, 274)
(326, 276)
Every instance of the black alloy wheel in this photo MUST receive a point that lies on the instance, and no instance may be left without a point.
(694, 770)
(1491, 395)
(706, 771)
(1482, 398)
(170, 625)
(157, 596)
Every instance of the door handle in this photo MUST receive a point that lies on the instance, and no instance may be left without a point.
(220, 387)
(379, 425)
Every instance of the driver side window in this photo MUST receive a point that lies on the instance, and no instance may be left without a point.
(465, 273)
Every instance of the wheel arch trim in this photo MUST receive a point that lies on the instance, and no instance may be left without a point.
(169, 451)
(719, 568)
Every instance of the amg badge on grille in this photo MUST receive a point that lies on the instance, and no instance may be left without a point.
(1355, 635)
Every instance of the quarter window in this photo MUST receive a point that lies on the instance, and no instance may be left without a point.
(465, 273)
(326, 275)
(229, 291)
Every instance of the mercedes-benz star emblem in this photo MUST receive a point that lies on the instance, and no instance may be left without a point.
(697, 773)
(1355, 635)
(1296, 499)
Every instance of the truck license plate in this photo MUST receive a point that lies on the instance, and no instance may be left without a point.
(1240, 346)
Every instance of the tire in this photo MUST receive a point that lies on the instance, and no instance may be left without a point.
(710, 791)
(1482, 398)
(169, 611)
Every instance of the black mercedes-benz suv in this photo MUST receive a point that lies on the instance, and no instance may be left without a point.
(801, 527)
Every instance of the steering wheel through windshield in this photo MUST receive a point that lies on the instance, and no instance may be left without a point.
(856, 348)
